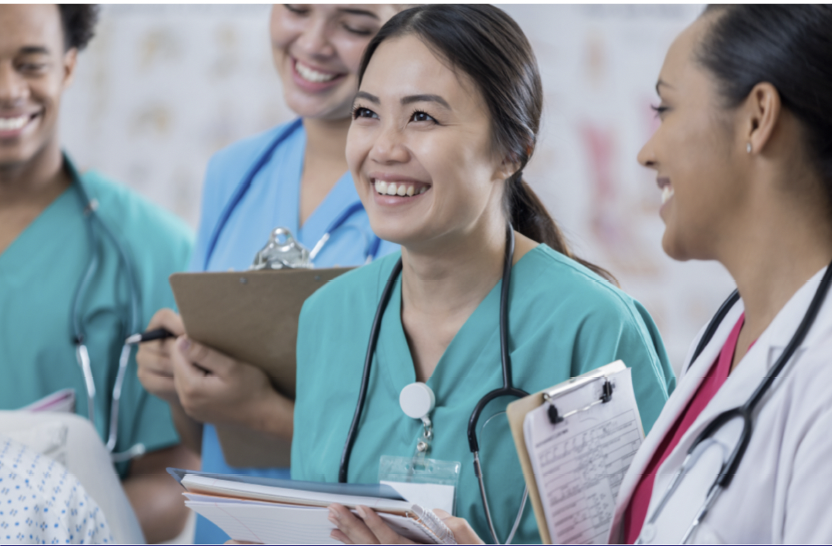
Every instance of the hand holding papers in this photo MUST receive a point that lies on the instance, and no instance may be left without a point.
(294, 512)
(575, 443)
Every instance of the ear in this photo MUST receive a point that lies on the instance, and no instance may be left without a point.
(505, 169)
(763, 107)
(69, 61)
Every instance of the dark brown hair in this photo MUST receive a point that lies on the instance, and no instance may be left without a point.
(483, 42)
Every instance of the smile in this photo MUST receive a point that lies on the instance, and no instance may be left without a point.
(311, 75)
(401, 188)
(13, 124)
(667, 189)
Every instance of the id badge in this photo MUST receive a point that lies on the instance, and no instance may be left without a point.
(430, 483)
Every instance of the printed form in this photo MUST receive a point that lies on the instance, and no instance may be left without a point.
(579, 462)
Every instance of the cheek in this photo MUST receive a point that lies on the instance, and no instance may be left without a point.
(350, 51)
(283, 31)
(359, 142)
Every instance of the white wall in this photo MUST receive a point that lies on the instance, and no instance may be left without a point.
(161, 88)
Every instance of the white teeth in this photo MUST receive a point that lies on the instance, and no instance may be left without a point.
(311, 74)
(401, 189)
(667, 193)
(12, 124)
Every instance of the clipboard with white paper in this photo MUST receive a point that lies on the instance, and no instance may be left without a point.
(575, 442)
(251, 316)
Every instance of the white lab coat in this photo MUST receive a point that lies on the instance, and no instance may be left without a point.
(781, 491)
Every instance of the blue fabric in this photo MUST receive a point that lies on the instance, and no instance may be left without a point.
(272, 200)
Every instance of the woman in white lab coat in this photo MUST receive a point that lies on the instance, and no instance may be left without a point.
(743, 158)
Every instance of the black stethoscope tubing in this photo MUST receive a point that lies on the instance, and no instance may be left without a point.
(506, 390)
(746, 411)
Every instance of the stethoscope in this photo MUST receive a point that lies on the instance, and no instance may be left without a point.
(372, 248)
(506, 390)
(79, 335)
(745, 412)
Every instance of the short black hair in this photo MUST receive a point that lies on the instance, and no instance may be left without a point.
(78, 22)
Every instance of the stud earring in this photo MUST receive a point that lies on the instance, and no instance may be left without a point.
(748, 147)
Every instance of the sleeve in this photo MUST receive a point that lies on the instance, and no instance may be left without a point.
(808, 511)
(626, 332)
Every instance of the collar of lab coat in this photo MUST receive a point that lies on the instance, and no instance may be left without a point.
(734, 392)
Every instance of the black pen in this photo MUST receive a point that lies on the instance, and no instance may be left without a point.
(150, 335)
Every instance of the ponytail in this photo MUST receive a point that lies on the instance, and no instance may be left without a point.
(529, 217)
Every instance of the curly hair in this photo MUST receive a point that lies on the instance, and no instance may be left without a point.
(78, 22)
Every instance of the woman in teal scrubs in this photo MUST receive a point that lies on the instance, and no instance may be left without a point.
(444, 122)
(292, 176)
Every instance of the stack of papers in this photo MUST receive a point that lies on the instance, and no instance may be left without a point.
(276, 511)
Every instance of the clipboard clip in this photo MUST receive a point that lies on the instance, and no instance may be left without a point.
(556, 417)
(282, 251)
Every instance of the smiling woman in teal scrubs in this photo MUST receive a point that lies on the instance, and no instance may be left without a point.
(302, 184)
(444, 122)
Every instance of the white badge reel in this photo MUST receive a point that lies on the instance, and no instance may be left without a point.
(429, 483)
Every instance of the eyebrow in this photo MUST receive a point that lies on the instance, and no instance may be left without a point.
(410, 99)
(355, 11)
(662, 83)
(34, 50)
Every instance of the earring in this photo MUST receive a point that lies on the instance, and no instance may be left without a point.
(748, 147)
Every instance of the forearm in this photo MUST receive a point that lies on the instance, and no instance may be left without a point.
(189, 429)
(274, 416)
(155, 496)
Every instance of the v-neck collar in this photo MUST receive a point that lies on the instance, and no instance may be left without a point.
(458, 361)
(39, 230)
(342, 196)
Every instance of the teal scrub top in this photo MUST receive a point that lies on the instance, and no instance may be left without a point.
(39, 274)
(564, 320)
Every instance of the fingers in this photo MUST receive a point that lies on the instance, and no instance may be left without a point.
(204, 357)
(167, 319)
(354, 530)
(379, 527)
(463, 533)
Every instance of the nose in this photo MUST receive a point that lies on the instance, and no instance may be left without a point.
(315, 38)
(13, 88)
(389, 147)
(646, 156)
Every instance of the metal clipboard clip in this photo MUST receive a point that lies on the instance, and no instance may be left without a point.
(601, 374)
(282, 251)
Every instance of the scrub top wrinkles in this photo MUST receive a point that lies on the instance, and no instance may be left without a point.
(39, 275)
(272, 200)
(563, 321)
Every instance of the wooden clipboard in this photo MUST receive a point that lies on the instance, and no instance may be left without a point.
(516, 413)
(253, 317)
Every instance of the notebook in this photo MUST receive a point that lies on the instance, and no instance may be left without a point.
(274, 511)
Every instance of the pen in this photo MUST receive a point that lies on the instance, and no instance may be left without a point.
(150, 335)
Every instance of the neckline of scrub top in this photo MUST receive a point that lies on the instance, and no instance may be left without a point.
(39, 228)
(445, 377)
(341, 196)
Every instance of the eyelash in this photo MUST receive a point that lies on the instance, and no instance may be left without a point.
(417, 111)
(357, 109)
(658, 109)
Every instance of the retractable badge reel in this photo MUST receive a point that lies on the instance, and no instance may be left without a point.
(431, 483)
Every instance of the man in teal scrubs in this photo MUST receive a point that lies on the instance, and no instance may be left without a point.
(45, 252)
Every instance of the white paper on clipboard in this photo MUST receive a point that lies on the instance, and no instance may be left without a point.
(579, 463)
